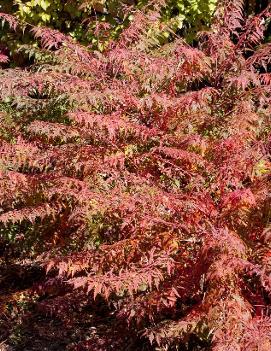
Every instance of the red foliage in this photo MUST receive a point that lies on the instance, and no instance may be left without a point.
(149, 196)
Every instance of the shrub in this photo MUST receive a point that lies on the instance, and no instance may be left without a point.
(82, 20)
(138, 178)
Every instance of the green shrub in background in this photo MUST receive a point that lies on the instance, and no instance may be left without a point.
(79, 18)
(189, 16)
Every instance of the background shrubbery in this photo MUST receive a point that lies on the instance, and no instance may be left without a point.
(96, 22)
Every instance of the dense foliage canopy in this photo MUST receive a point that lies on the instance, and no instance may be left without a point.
(80, 18)
(134, 189)
(95, 23)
